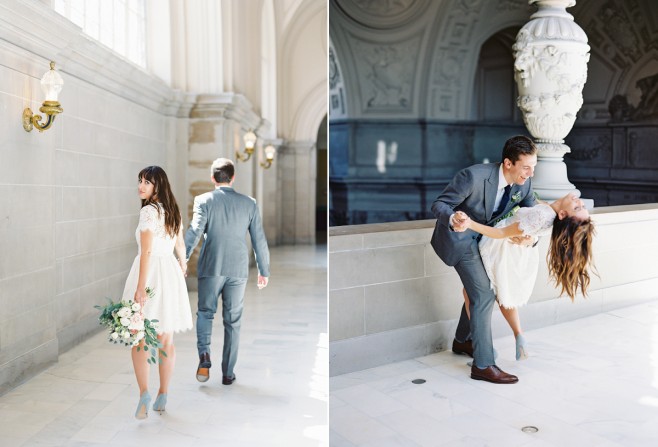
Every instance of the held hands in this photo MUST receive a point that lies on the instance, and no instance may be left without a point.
(183, 266)
(262, 282)
(460, 222)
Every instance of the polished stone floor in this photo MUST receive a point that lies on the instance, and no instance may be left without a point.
(279, 399)
(588, 382)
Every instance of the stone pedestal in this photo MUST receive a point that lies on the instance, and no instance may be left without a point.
(551, 55)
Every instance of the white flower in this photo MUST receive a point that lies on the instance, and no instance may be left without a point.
(139, 335)
(136, 322)
(124, 312)
(136, 307)
(124, 321)
(126, 334)
(114, 335)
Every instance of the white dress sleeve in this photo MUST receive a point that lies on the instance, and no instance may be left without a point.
(148, 218)
(536, 220)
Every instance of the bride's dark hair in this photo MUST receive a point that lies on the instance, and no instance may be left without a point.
(162, 193)
(570, 254)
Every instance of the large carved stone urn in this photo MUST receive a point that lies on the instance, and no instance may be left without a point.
(550, 69)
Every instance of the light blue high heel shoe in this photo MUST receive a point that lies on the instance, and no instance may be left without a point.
(142, 411)
(521, 351)
(160, 402)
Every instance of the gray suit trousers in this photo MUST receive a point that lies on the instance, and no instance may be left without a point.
(478, 329)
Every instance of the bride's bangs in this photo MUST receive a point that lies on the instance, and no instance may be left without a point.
(148, 174)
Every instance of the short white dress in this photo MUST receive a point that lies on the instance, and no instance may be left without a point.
(512, 268)
(170, 304)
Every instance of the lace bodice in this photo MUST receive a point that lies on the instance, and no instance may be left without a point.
(536, 220)
(150, 219)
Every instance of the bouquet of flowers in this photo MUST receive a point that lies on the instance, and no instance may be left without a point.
(127, 325)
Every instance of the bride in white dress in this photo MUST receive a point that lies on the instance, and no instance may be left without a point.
(512, 268)
(159, 234)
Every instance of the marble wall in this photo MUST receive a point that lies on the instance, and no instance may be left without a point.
(391, 298)
(68, 200)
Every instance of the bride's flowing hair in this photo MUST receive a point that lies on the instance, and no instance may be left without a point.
(162, 192)
(570, 254)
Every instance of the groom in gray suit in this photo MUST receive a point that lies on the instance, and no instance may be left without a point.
(223, 217)
(485, 193)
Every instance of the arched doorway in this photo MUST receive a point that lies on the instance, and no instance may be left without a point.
(495, 89)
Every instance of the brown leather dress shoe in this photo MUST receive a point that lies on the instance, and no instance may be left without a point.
(492, 374)
(228, 380)
(203, 371)
(459, 347)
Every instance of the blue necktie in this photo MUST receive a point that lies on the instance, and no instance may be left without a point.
(503, 201)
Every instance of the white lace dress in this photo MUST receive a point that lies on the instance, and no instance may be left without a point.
(170, 304)
(512, 268)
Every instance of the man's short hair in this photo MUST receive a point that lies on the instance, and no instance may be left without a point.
(517, 146)
(222, 170)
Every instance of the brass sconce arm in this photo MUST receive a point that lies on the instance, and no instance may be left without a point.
(50, 108)
(247, 151)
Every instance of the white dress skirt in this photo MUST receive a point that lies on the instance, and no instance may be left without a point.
(512, 268)
(170, 304)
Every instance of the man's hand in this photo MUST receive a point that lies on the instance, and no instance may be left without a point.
(459, 222)
(262, 282)
(525, 241)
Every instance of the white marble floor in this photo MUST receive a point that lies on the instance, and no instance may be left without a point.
(589, 382)
(279, 399)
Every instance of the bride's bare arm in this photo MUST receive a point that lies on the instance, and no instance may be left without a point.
(494, 233)
(179, 248)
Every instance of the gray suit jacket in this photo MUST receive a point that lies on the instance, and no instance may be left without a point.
(223, 218)
(473, 191)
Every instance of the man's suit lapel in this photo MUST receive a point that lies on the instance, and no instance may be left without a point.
(490, 190)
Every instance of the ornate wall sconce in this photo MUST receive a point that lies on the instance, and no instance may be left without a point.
(250, 139)
(51, 84)
(269, 156)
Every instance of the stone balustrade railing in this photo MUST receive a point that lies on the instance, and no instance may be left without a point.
(391, 298)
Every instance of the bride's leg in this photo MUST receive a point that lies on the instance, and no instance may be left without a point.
(467, 303)
(166, 365)
(141, 367)
(512, 317)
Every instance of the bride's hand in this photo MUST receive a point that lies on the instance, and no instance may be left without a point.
(140, 297)
(183, 266)
(461, 221)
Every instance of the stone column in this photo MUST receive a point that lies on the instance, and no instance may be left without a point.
(297, 173)
(551, 55)
(217, 124)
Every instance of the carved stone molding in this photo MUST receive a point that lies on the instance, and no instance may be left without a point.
(383, 14)
(591, 148)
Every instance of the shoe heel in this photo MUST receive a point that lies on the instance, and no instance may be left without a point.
(142, 411)
(160, 403)
(521, 351)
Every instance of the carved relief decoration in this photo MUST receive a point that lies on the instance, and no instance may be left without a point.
(616, 23)
(510, 5)
(334, 74)
(337, 106)
(382, 14)
(592, 148)
(386, 74)
(451, 49)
